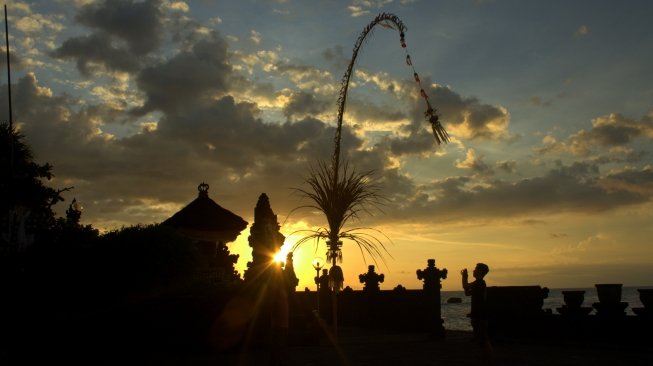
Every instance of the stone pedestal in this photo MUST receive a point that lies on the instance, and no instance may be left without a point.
(431, 275)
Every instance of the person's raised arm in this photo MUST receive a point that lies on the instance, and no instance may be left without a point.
(466, 287)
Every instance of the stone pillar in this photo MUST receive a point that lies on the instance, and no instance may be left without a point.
(431, 276)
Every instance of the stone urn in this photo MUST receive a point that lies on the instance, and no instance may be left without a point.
(646, 297)
(573, 299)
(573, 304)
(610, 300)
(609, 293)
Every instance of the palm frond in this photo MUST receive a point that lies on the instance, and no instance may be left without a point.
(368, 243)
(342, 200)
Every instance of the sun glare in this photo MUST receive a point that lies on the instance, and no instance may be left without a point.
(281, 254)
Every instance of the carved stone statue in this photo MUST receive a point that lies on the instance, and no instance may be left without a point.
(371, 279)
(431, 276)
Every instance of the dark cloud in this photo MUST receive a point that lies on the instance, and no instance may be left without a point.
(507, 166)
(613, 130)
(572, 188)
(472, 118)
(304, 104)
(364, 111)
(136, 23)
(463, 117)
(15, 60)
(197, 74)
(97, 52)
(125, 32)
(417, 142)
(336, 57)
(637, 181)
(475, 163)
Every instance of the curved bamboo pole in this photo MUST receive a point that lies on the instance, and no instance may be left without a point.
(438, 131)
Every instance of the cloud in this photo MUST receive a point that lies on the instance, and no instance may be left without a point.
(179, 6)
(583, 30)
(362, 7)
(306, 77)
(304, 104)
(95, 53)
(474, 163)
(464, 117)
(578, 187)
(507, 166)
(14, 58)
(612, 130)
(637, 181)
(125, 31)
(199, 73)
(336, 55)
(136, 23)
(34, 23)
(580, 247)
(381, 81)
(255, 37)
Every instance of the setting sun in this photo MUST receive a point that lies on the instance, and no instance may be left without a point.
(281, 254)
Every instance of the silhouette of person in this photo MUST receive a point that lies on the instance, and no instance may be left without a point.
(478, 290)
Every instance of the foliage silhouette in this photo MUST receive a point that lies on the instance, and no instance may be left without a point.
(22, 187)
(341, 202)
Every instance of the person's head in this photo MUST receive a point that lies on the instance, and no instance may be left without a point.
(481, 270)
(325, 271)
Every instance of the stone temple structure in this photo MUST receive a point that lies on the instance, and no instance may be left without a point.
(265, 238)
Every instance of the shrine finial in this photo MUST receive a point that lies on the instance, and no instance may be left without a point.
(203, 189)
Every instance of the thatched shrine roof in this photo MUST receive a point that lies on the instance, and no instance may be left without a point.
(204, 219)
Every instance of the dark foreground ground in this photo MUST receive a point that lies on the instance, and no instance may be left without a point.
(365, 347)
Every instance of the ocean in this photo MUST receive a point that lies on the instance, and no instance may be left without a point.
(455, 315)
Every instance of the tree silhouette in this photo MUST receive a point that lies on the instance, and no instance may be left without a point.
(26, 202)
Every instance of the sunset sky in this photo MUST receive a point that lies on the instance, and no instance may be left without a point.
(548, 177)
